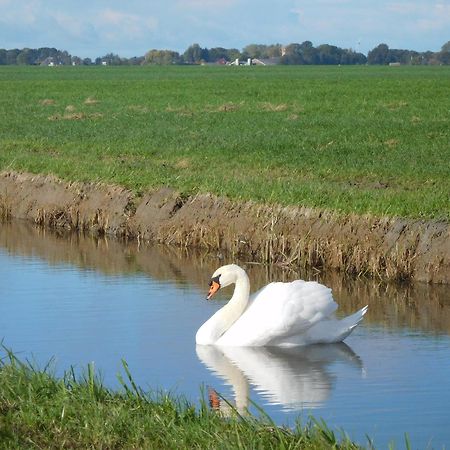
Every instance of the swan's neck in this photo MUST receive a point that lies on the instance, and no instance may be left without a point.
(222, 320)
(238, 302)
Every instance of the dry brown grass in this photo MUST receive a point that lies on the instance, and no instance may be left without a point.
(91, 101)
(180, 110)
(228, 107)
(95, 115)
(47, 102)
(139, 108)
(75, 116)
(274, 107)
(70, 219)
(5, 210)
(391, 143)
(395, 105)
(183, 163)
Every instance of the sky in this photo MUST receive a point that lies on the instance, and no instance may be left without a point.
(92, 28)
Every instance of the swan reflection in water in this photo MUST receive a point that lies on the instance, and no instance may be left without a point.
(294, 378)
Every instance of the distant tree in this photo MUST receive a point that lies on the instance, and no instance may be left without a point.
(328, 54)
(194, 54)
(255, 50)
(303, 53)
(379, 55)
(262, 51)
(309, 53)
(26, 57)
(111, 59)
(306, 53)
(351, 57)
(216, 53)
(233, 54)
(446, 47)
(136, 60)
(64, 58)
(76, 61)
(46, 52)
(162, 57)
(382, 54)
(444, 54)
(293, 54)
(11, 56)
(444, 58)
(274, 51)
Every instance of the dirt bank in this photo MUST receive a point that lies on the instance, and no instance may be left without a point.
(297, 236)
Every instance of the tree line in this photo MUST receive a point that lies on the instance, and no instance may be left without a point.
(304, 53)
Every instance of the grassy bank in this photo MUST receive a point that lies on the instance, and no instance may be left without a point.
(39, 410)
(353, 139)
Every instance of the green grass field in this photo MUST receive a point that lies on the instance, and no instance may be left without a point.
(361, 139)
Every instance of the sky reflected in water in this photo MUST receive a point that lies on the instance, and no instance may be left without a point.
(83, 300)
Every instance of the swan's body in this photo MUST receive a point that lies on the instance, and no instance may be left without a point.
(280, 314)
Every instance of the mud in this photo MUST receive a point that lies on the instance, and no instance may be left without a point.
(295, 237)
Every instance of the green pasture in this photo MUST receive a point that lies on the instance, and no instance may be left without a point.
(363, 139)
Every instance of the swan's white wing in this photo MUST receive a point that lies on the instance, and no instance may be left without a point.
(278, 311)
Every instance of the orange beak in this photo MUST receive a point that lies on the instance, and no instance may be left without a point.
(214, 286)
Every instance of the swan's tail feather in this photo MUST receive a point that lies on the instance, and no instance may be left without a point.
(356, 317)
(330, 331)
(349, 323)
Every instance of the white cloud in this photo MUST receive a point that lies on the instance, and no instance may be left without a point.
(117, 25)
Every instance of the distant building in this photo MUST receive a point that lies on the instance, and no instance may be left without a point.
(50, 61)
(256, 62)
(266, 61)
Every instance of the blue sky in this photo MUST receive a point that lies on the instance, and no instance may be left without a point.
(91, 28)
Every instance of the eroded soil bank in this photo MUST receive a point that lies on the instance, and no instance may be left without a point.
(297, 236)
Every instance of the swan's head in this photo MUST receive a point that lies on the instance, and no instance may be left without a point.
(222, 277)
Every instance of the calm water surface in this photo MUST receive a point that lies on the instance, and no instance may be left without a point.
(79, 300)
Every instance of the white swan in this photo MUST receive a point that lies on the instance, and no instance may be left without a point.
(280, 314)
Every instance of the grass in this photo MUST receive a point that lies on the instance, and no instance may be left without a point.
(359, 139)
(39, 410)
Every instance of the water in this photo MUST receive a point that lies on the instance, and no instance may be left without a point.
(79, 300)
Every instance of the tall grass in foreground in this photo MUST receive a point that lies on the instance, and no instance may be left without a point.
(39, 410)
